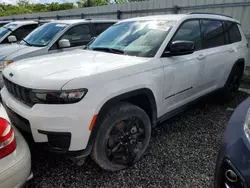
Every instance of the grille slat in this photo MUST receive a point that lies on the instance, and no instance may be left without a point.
(18, 92)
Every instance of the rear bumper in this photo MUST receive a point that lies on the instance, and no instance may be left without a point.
(235, 150)
(16, 167)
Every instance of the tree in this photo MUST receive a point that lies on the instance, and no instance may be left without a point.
(126, 1)
(91, 3)
(25, 7)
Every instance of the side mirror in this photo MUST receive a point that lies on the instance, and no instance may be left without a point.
(177, 48)
(64, 43)
(12, 39)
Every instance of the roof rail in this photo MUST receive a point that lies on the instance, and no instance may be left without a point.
(209, 13)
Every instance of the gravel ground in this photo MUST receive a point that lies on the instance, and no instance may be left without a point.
(182, 153)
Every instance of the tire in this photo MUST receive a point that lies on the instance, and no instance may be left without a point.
(232, 85)
(123, 137)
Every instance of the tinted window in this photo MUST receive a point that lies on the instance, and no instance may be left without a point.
(213, 33)
(135, 38)
(233, 31)
(3, 31)
(43, 35)
(190, 31)
(23, 31)
(226, 34)
(78, 35)
(100, 27)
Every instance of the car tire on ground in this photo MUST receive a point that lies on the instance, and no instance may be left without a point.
(233, 83)
(123, 137)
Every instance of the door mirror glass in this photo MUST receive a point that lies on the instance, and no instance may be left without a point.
(181, 48)
(12, 39)
(64, 43)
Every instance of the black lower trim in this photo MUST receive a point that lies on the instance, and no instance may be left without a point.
(80, 153)
(184, 107)
(60, 140)
(18, 121)
(179, 92)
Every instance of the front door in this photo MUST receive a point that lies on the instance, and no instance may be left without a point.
(183, 74)
(78, 36)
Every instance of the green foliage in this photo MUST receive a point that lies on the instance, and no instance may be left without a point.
(25, 7)
(91, 3)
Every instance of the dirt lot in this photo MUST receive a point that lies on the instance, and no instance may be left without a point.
(182, 153)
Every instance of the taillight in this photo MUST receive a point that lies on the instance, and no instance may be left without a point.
(7, 138)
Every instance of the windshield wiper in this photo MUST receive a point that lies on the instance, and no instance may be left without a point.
(26, 42)
(112, 50)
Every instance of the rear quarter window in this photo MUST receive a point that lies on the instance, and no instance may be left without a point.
(233, 31)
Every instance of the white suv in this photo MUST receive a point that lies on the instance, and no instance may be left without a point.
(105, 100)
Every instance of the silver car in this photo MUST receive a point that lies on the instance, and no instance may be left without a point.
(15, 160)
(56, 36)
(16, 31)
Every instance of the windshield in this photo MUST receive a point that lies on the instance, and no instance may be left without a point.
(3, 31)
(43, 35)
(135, 38)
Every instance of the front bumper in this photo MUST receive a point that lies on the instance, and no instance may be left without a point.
(235, 151)
(16, 167)
(63, 127)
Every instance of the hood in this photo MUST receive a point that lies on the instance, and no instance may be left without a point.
(12, 51)
(53, 71)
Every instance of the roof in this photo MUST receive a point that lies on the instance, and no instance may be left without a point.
(23, 22)
(81, 21)
(178, 17)
(159, 17)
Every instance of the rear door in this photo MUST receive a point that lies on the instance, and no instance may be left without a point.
(217, 53)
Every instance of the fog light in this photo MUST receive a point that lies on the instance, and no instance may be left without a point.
(231, 176)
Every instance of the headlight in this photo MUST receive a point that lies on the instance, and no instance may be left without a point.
(247, 125)
(4, 64)
(58, 97)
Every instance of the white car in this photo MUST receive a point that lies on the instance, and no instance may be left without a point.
(53, 37)
(15, 160)
(137, 73)
(16, 31)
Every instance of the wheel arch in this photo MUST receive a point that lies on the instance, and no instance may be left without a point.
(240, 63)
(144, 98)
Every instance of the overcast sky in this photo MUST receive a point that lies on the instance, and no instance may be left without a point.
(36, 1)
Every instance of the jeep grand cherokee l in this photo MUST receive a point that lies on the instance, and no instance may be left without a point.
(105, 100)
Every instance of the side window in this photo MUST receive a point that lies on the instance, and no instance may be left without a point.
(78, 35)
(233, 31)
(190, 31)
(100, 27)
(23, 31)
(213, 33)
(226, 33)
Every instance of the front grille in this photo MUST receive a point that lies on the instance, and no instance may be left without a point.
(20, 93)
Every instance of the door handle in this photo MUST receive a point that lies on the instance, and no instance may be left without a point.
(231, 50)
(201, 56)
